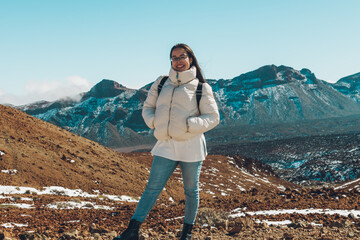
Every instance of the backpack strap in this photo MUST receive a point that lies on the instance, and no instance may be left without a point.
(199, 94)
(163, 80)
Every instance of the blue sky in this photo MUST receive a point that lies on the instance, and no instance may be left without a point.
(50, 49)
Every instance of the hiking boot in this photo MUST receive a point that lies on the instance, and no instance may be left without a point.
(186, 232)
(132, 232)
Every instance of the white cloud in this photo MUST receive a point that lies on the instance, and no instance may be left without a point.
(72, 85)
(79, 81)
(48, 90)
(43, 87)
(6, 98)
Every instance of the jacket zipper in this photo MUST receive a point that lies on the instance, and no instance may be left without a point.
(171, 100)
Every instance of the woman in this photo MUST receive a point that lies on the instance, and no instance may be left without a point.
(179, 123)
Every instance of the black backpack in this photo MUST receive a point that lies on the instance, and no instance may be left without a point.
(198, 90)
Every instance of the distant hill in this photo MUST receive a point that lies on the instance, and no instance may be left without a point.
(110, 113)
(280, 94)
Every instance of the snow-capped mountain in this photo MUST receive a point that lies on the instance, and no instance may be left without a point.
(280, 94)
(272, 103)
(40, 107)
(349, 86)
(110, 113)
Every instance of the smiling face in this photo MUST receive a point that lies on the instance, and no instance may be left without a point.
(180, 61)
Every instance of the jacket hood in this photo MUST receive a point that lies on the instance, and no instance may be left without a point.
(182, 77)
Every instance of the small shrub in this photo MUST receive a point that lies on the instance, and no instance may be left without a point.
(59, 193)
(77, 200)
(88, 205)
(35, 199)
(210, 216)
(102, 197)
(16, 198)
(63, 205)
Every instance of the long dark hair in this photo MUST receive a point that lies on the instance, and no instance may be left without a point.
(191, 54)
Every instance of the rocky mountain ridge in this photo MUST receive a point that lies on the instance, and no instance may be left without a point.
(268, 104)
(111, 113)
(349, 86)
(280, 94)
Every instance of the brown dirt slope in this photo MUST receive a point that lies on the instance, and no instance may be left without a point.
(46, 155)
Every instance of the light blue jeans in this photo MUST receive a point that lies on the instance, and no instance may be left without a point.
(161, 170)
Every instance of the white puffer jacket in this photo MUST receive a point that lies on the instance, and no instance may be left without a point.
(174, 113)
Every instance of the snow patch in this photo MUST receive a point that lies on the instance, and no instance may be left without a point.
(12, 225)
(285, 222)
(239, 212)
(3, 197)
(210, 192)
(77, 205)
(172, 219)
(10, 171)
(346, 184)
(19, 205)
(355, 149)
(73, 221)
(55, 190)
(297, 164)
(26, 199)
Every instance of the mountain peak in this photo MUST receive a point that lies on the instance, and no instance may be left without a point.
(105, 89)
(110, 83)
(268, 75)
(309, 75)
(351, 79)
(350, 86)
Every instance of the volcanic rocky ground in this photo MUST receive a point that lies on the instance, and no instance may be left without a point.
(240, 198)
(305, 160)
